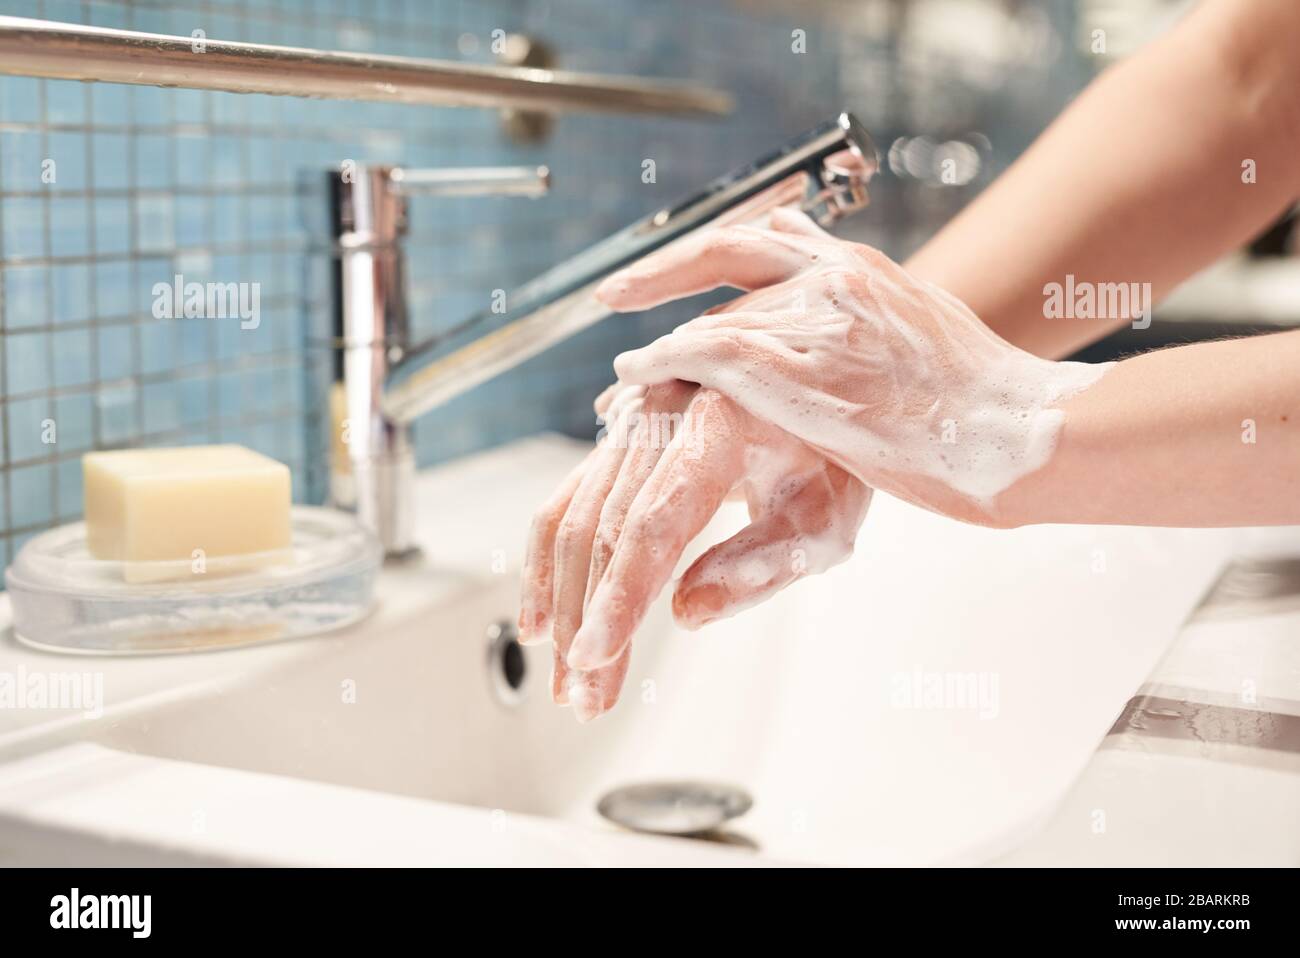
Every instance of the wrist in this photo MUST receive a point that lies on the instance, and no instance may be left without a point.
(1071, 463)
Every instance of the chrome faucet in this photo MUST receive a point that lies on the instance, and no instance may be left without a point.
(379, 381)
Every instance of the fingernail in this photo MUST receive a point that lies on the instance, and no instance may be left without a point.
(534, 626)
(609, 289)
(697, 607)
(585, 707)
(583, 697)
(590, 650)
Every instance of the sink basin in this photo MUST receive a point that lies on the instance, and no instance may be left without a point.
(929, 701)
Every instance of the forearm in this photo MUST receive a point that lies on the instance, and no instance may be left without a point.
(1140, 180)
(1201, 435)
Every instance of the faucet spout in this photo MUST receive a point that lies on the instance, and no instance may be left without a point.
(824, 172)
(374, 381)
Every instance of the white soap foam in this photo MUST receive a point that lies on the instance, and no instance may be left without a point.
(882, 372)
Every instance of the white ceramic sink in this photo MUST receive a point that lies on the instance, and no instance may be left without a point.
(801, 702)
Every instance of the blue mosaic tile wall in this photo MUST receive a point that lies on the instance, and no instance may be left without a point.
(149, 183)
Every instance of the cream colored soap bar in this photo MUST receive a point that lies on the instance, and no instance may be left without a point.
(200, 509)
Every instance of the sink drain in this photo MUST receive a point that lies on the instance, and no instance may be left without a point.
(675, 808)
(507, 667)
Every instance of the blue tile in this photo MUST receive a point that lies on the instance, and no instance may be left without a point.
(24, 227)
(70, 496)
(20, 99)
(27, 362)
(196, 342)
(71, 351)
(230, 396)
(162, 407)
(64, 11)
(152, 106)
(110, 104)
(113, 289)
(75, 419)
(229, 109)
(22, 159)
(110, 15)
(232, 340)
(27, 422)
(193, 161)
(26, 299)
(69, 226)
(259, 385)
(192, 215)
(158, 344)
(194, 397)
(152, 20)
(151, 271)
(115, 348)
(228, 161)
(64, 168)
(153, 162)
(190, 106)
(155, 222)
(227, 226)
(112, 225)
(31, 499)
(260, 110)
(71, 286)
(112, 161)
(65, 101)
(119, 421)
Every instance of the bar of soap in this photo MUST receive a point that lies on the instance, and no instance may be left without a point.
(188, 511)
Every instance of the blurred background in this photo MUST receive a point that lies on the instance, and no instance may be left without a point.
(154, 182)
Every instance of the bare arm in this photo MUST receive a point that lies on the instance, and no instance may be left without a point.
(1201, 435)
(1140, 180)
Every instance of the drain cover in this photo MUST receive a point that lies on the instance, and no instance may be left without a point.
(674, 808)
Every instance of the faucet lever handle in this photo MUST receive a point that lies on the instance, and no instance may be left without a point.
(530, 181)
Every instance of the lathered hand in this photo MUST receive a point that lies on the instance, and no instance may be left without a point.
(888, 376)
(605, 544)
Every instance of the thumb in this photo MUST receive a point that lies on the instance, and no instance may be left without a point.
(810, 533)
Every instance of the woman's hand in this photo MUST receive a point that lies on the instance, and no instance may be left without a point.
(602, 548)
(886, 375)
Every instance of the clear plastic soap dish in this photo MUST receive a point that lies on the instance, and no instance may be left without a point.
(67, 601)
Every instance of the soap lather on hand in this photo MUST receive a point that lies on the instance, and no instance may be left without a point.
(185, 512)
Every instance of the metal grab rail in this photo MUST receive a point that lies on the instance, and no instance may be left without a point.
(68, 51)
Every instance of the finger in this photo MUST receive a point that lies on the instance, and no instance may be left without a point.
(609, 404)
(721, 353)
(606, 397)
(805, 533)
(701, 464)
(594, 692)
(537, 601)
(784, 219)
(770, 373)
(573, 539)
(661, 416)
(740, 256)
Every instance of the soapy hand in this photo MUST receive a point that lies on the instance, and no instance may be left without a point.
(890, 377)
(837, 372)
(602, 548)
